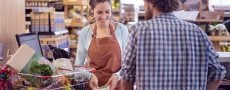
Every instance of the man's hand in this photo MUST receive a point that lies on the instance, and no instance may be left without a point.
(126, 85)
(112, 82)
(213, 85)
(93, 82)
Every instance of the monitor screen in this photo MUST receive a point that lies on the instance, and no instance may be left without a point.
(31, 40)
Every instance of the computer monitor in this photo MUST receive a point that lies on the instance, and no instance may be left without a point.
(30, 39)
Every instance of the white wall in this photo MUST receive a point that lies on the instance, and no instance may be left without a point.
(136, 2)
(219, 2)
(12, 21)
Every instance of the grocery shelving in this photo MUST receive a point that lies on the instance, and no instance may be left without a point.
(42, 18)
(75, 19)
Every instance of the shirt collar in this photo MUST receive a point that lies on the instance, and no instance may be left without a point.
(165, 15)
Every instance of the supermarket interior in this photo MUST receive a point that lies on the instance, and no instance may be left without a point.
(60, 44)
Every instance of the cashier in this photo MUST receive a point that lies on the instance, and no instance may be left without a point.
(103, 42)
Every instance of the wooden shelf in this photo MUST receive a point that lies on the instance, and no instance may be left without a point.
(41, 9)
(219, 38)
(208, 20)
(76, 2)
(205, 20)
(225, 82)
(43, 0)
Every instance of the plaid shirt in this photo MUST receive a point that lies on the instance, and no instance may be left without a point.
(166, 53)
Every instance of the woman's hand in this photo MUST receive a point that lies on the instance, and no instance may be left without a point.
(112, 82)
(93, 83)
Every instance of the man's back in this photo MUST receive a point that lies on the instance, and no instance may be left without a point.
(170, 54)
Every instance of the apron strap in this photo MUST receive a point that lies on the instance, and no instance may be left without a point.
(95, 31)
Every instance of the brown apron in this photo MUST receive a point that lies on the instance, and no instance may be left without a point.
(105, 56)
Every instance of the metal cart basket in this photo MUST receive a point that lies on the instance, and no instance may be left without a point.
(68, 81)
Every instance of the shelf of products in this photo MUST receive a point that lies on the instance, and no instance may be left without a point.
(75, 18)
(216, 40)
(40, 3)
(219, 38)
(41, 9)
(42, 18)
(75, 2)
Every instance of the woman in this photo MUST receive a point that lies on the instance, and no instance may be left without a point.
(103, 42)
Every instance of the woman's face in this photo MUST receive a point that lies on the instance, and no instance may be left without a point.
(102, 12)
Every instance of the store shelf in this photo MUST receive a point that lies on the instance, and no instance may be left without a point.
(224, 56)
(225, 82)
(205, 20)
(219, 38)
(60, 32)
(76, 2)
(41, 9)
(43, 0)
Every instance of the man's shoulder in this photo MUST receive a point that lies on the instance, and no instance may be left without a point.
(143, 24)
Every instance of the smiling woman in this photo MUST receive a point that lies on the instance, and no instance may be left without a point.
(101, 10)
(102, 42)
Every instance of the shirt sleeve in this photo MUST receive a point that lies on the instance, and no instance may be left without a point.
(129, 58)
(81, 50)
(124, 37)
(215, 70)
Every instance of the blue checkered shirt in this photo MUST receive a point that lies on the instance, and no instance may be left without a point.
(166, 53)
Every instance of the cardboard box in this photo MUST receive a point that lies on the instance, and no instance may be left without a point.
(21, 58)
(75, 2)
(56, 41)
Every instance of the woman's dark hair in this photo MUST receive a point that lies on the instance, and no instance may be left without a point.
(93, 3)
(165, 6)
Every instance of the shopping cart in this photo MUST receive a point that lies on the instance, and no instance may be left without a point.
(70, 81)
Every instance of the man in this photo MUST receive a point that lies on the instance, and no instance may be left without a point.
(165, 53)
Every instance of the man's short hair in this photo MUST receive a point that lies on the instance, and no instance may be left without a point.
(165, 6)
